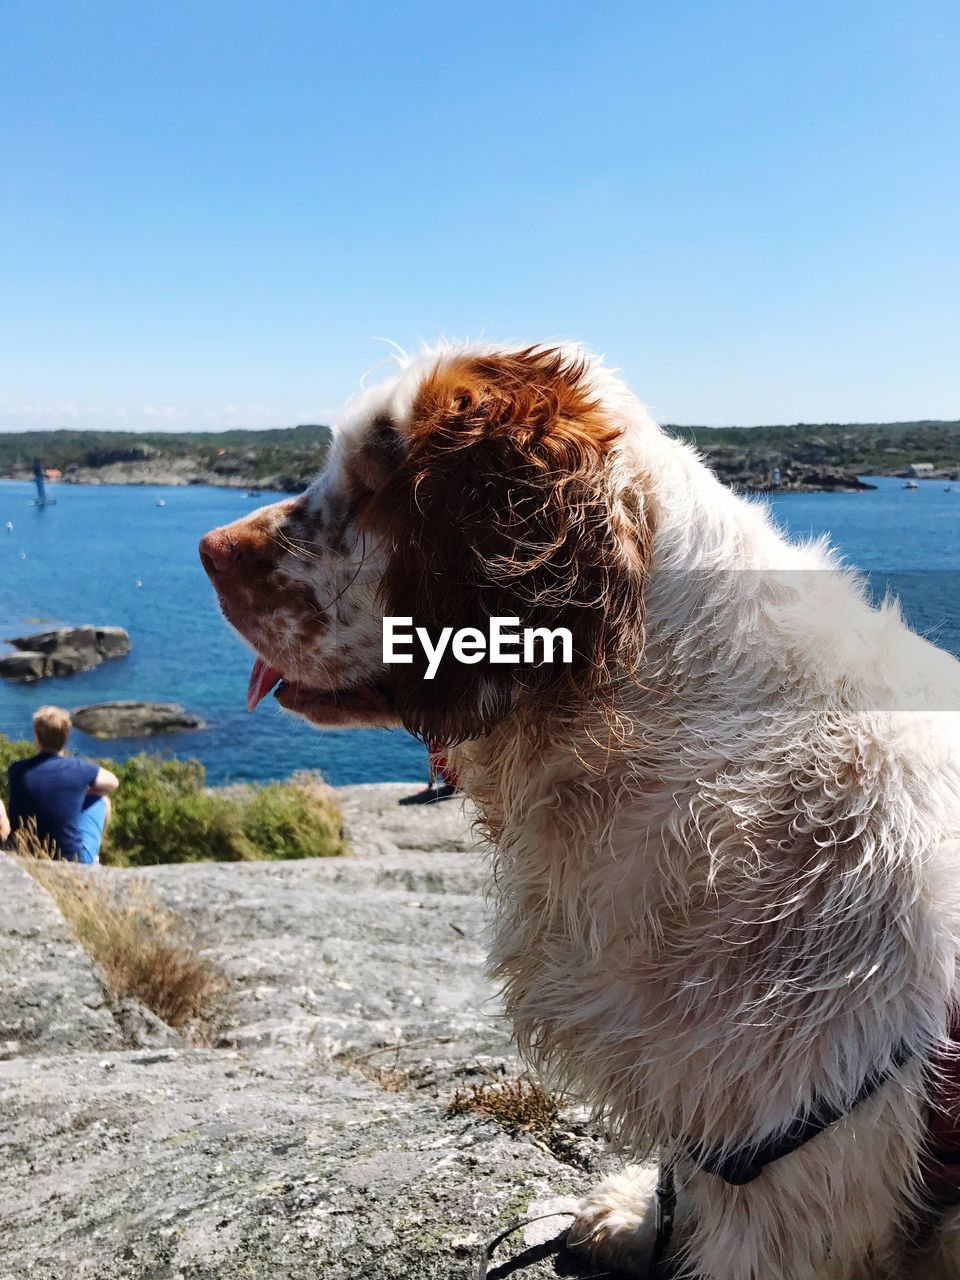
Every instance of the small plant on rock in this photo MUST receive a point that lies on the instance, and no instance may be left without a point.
(519, 1104)
(523, 1106)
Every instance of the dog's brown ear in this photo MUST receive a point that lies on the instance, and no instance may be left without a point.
(504, 506)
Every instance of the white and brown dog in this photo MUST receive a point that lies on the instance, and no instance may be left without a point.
(727, 834)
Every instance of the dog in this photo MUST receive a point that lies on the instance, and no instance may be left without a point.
(726, 833)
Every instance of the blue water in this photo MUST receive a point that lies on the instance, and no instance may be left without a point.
(82, 560)
(907, 542)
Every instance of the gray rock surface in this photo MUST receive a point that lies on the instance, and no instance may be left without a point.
(377, 823)
(133, 719)
(311, 1138)
(62, 651)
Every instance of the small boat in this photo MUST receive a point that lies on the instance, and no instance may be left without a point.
(253, 493)
(911, 484)
(161, 502)
(41, 500)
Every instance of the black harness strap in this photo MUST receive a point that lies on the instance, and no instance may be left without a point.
(666, 1212)
(744, 1164)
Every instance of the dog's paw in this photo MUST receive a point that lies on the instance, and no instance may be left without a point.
(616, 1222)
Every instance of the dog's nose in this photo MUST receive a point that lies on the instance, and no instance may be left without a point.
(218, 551)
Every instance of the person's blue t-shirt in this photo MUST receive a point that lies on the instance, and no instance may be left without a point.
(51, 788)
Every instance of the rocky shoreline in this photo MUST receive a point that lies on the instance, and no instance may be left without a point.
(177, 473)
(801, 458)
(743, 477)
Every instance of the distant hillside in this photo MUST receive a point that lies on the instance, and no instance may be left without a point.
(808, 456)
(741, 455)
(281, 458)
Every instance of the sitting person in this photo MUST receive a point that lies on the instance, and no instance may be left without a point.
(68, 798)
(4, 825)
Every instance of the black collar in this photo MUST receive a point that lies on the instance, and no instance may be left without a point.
(743, 1164)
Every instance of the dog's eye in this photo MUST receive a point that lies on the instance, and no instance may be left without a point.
(377, 459)
(381, 454)
(384, 442)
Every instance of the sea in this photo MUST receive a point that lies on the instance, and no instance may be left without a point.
(110, 555)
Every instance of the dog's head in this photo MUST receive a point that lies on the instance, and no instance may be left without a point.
(471, 486)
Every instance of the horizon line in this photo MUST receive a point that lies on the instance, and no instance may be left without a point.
(682, 426)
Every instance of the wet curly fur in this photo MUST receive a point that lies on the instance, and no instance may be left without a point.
(727, 867)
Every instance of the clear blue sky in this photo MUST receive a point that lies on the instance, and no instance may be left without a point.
(210, 210)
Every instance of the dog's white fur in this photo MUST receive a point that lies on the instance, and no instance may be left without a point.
(744, 893)
(756, 894)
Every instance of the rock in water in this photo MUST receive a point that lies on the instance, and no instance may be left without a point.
(24, 666)
(62, 651)
(133, 719)
(112, 642)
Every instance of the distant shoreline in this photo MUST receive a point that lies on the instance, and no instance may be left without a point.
(803, 458)
(124, 475)
(167, 478)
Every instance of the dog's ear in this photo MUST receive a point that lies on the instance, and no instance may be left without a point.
(506, 505)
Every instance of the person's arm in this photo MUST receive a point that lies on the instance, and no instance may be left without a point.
(4, 823)
(104, 783)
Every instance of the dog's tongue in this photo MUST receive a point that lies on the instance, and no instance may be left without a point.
(262, 680)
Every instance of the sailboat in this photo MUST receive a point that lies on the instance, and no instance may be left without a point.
(41, 500)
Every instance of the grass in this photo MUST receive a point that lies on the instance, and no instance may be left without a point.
(518, 1104)
(164, 812)
(140, 945)
(521, 1105)
(295, 819)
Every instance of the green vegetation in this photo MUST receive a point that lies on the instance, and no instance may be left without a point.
(240, 457)
(869, 448)
(163, 812)
(288, 457)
